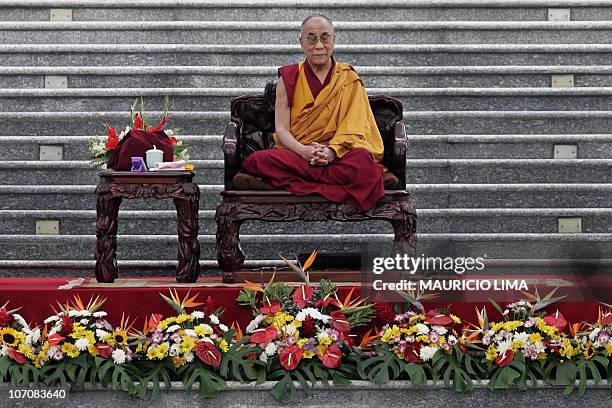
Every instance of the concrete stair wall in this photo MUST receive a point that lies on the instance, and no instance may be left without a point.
(483, 111)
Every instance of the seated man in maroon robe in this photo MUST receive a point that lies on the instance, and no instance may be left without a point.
(326, 139)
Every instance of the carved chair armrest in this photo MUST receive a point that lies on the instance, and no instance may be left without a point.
(230, 153)
(400, 146)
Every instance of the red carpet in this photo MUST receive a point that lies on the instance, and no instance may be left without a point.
(140, 297)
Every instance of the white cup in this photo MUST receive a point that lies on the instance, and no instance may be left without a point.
(154, 155)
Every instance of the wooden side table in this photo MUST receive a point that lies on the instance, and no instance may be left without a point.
(115, 186)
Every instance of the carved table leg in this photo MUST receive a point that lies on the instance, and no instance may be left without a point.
(107, 210)
(188, 268)
(229, 253)
(404, 227)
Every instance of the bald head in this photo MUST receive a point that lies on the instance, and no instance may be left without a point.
(322, 19)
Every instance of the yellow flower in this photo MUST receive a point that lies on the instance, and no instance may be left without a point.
(542, 326)
(187, 344)
(325, 341)
(27, 351)
(321, 349)
(308, 354)
(11, 337)
(588, 353)
(178, 361)
(512, 325)
(491, 353)
(70, 349)
(390, 333)
(301, 342)
(165, 323)
(535, 337)
(609, 349)
(159, 352)
(296, 323)
(224, 346)
(567, 350)
(203, 330)
(118, 337)
(416, 318)
(183, 318)
(516, 344)
(422, 338)
(455, 318)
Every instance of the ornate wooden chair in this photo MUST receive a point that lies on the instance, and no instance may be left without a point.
(251, 128)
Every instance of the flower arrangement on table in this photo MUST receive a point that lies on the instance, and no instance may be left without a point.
(101, 149)
(18, 340)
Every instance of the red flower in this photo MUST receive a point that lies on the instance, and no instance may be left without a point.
(302, 295)
(113, 140)
(605, 320)
(154, 321)
(411, 352)
(104, 350)
(437, 318)
(505, 358)
(308, 327)
(339, 321)
(384, 312)
(260, 336)
(270, 307)
(332, 356)
(66, 325)
(557, 320)
(5, 318)
(346, 339)
(290, 357)
(160, 125)
(138, 122)
(173, 140)
(209, 307)
(324, 302)
(16, 355)
(208, 353)
(55, 339)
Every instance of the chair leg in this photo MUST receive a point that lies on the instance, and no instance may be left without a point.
(229, 253)
(404, 227)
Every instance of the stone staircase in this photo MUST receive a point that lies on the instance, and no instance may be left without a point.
(508, 107)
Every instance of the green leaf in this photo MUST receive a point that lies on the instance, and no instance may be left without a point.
(339, 379)
(383, 368)
(566, 373)
(210, 384)
(237, 362)
(416, 373)
(284, 389)
(504, 377)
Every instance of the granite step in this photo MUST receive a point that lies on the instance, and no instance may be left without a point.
(163, 247)
(208, 147)
(419, 171)
(286, 32)
(529, 195)
(479, 54)
(290, 10)
(257, 76)
(455, 220)
(424, 122)
(212, 99)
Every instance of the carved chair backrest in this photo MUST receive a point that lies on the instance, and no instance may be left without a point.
(254, 116)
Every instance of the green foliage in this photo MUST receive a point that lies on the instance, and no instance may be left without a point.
(453, 366)
(210, 384)
(122, 377)
(278, 291)
(247, 297)
(505, 377)
(382, 368)
(236, 364)
(18, 375)
(327, 287)
(360, 316)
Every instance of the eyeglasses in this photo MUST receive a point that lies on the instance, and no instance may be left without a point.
(313, 39)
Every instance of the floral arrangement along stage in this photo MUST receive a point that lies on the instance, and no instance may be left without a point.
(304, 335)
(100, 150)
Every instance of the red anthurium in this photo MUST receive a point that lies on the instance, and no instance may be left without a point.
(302, 295)
(339, 321)
(113, 140)
(290, 357)
(437, 318)
(411, 352)
(67, 326)
(324, 302)
(504, 359)
(270, 307)
(208, 353)
(261, 336)
(104, 350)
(55, 339)
(557, 320)
(332, 356)
(154, 321)
(344, 336)
(138, 122)
(16, 355)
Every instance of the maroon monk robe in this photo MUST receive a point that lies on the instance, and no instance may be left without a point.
(354, 179)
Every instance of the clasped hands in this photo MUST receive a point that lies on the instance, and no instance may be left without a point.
(318, 155)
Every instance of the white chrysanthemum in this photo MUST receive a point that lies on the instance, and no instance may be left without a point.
(82, 343)
(255, 323)
(223, 327)
(84, 322)
(426, 353)
(196, 314)
(169, 132)
(174, 350)
(522, 338)
(100, 314)
(441, 330)
(118, 356)
(263, 357)
(422, 329)
(313, 313)
(101, 334)
(539, 346)
(290, 330)
(504, 346)
(188, 357)
(271, 349)
(51, 319)
(214, 319)
(173, 328)
(594, 334)
(191, 333)
(322, 335)
(32, 336)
